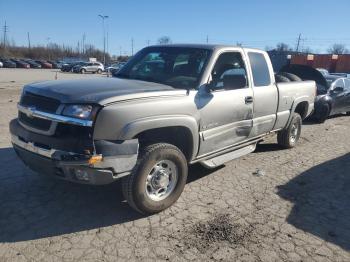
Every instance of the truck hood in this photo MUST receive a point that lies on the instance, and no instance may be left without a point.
(100, 90)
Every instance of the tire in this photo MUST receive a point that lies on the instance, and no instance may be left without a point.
(281, 79)
(99, 71)
(290, 76)
(288, 138)
(322, 113)
(83, 71)
(348, 113)
(138, 186)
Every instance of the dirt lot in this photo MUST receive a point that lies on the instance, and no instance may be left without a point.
(298, 209)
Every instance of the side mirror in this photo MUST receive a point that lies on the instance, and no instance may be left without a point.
(234, 82)
(338, 89)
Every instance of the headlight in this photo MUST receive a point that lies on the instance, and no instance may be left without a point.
(79, 111)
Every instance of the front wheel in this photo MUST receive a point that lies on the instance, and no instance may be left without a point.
(157, 180)
(83, 71)
(99, 71)
(289, 137)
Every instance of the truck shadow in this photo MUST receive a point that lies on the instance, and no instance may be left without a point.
(34, 207)
(321, 198)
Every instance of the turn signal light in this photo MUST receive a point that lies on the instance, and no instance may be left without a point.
(95, 159)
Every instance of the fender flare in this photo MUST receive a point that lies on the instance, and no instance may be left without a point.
(294, 106)
(130, 130)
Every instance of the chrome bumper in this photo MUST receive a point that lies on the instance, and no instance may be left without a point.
(32, 148)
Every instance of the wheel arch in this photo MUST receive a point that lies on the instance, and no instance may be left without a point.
(181, 131)
(302, 108)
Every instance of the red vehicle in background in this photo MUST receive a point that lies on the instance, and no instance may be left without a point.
(20, 64)
(44, 64)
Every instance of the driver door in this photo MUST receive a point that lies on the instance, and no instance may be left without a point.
(225, 112)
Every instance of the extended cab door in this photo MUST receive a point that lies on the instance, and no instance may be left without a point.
(226, 110)
(265, 92)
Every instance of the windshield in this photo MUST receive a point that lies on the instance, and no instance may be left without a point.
(179, 67)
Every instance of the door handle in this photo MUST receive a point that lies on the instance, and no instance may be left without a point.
(248, 99)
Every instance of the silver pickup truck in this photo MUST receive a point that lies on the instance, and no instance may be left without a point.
(168, 107)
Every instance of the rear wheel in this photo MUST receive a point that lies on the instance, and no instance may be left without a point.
(99, 71)
(289, 137)
(157, 180)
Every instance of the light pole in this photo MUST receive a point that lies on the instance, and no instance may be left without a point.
(47, 47)
(103, 17)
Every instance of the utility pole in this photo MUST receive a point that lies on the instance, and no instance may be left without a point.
(103, 17)
(83, 44)
(298, 43)
(132, 46)
(6, 28)
(207, 39)
(148, 42)
(47, 47)
(28, 40)
(120, 51)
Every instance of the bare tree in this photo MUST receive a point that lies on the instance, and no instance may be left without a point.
(306, 50)
(164, 40)
(283, 47)
(338, 49)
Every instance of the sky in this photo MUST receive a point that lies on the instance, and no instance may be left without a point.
(253, 23)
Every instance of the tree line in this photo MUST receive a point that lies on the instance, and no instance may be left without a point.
(56, 52)
(337, 49)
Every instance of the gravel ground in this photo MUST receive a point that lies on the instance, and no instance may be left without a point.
(296, 208)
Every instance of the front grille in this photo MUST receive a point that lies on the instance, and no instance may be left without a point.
(41, 103)
(36, 123)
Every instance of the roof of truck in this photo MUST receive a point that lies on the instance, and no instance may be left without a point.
(204, 46)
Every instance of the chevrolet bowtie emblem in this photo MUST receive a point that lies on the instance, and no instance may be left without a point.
(30, 111)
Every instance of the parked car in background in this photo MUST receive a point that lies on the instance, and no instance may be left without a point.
(1, 65)
(332, 95)
(325, 73)
(114, 68)
(20, 64)
(55, 65)
(68, 67)
(89, 67)
(44, 64)
(8, 63)
(32, 63)
(333, 99)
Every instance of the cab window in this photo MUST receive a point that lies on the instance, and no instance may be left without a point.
(260, 69)
(229, 71)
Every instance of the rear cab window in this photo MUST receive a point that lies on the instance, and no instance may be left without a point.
(260, 69)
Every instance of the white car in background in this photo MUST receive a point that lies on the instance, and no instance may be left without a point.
(91, 67)
(113, 68)
(1, 64)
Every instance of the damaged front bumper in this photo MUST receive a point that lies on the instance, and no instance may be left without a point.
(110, 161)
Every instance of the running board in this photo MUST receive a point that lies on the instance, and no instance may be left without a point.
(221, 159)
